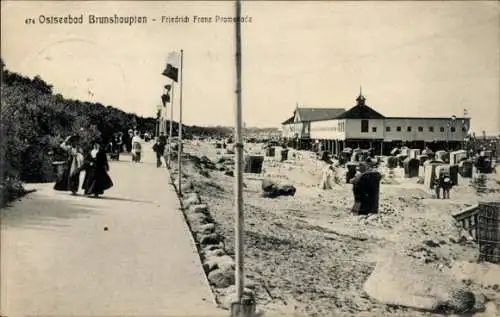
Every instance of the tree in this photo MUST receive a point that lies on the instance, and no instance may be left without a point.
(42, 85)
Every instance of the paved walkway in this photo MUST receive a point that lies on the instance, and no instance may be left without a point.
(58, 259)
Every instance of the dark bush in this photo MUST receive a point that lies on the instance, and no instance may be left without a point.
(34, 122)
(10, 189)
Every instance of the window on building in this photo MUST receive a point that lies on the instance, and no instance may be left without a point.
(431, 129)
(452, 129)
(398, 129)
(364, 126)
(420, 129)
(441, 129)
(388, 129)
(408, 129)
(374, 129)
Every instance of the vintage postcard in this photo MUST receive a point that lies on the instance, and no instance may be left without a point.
(250, 158)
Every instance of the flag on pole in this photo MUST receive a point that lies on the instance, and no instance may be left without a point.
(172, 69)
(165, 98)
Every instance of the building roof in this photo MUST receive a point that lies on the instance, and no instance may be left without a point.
(319, 114)
(289, 120)
(361, 111)
(425, 118)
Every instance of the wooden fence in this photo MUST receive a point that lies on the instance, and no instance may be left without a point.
(482, 221)
(468, 219)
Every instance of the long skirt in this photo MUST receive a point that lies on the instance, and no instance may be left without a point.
(128, 146)
(68, 182)
(136, 156)
(96, 182)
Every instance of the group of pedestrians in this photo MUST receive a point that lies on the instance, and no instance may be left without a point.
(131, 143)
(134, 145)
(443, 183)
(94, 163)
(158, 147)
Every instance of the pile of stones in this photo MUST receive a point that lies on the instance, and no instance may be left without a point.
(217, 264)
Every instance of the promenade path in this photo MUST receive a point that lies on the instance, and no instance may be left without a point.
(58, 260)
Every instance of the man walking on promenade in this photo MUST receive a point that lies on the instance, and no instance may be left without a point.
(159, 148)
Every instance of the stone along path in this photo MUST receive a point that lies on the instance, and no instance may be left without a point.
(129, 253)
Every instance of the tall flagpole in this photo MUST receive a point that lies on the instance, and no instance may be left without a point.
(238, 166)
(162, 119)
(180, 124)
(171, 124)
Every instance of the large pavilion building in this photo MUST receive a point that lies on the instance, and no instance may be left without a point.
(361, 126)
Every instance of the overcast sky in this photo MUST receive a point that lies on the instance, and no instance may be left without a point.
(411, 58)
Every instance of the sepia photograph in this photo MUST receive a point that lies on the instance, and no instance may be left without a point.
(248, 158)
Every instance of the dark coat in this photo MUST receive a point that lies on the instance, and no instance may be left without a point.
(159, 146)
(67, 182)
(97, 179)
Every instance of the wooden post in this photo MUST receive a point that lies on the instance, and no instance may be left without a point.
(238, 197)
(170, 133)
(244, 306)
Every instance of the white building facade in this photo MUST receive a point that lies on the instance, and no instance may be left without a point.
(363, 127)
(426, 129)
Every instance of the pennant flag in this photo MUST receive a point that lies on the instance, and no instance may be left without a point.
(172, 69)
(165, 98)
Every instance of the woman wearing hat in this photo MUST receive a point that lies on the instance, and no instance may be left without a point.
(96, 179)
(70, 178)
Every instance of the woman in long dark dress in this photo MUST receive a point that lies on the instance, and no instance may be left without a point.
(96, 179)
(70, 179)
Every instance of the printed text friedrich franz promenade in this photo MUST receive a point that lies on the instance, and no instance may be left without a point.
(130, 20)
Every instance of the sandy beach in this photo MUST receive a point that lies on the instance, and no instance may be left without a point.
(308, 254)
